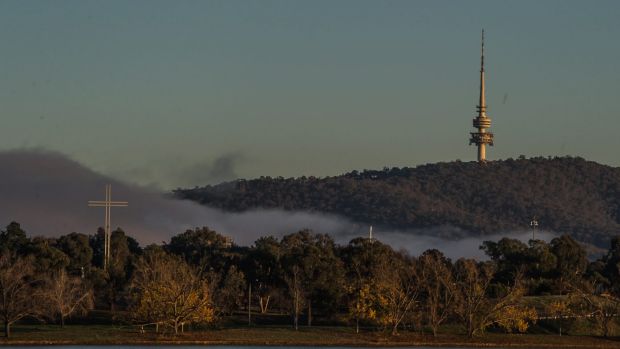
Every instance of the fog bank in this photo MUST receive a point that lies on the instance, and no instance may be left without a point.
(48, 193)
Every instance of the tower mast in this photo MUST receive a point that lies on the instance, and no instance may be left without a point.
(482, 121)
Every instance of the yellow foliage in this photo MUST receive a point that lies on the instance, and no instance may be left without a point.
(364, 306)
(517, 318)
(558, 308)
(168, 291)
(382, 303)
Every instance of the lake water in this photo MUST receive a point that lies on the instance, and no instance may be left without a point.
(210, 347)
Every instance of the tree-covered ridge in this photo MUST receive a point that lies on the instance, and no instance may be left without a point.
(566, 194)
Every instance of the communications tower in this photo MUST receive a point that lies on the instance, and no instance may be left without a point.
(482, 121)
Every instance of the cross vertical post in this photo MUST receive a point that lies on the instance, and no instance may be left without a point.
(107, 204)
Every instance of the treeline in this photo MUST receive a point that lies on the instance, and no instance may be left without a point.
(200, 278)
(566, 194)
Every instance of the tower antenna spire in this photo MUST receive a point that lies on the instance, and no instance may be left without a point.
(482, 121)
(482, 52)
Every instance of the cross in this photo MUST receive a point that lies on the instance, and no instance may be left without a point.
(108, 204)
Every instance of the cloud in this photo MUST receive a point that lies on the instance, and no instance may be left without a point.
(418, 242)
(223, 168)
(167, 172)
(48, 193)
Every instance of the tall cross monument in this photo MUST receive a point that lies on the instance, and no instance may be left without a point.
(107, 204)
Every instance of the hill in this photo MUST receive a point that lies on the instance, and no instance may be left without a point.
(566, 194)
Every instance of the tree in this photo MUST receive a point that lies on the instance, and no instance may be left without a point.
(262, 264)
(76, 246)
(514, 317)
(114, 279)
(121, 256)
(96, 243)
(364, 304)
(612, 265)
(438, 287)
(201, 247)
(572, 260)
(358, 257)
(293, 279)
(561, 311)
(320, 272)
(66, 295)
(510, 257)
(366, 263)
(397, 291)
(229, 296)
(601, 308)
(479, 311)
(18, 290)
(167, 290)
(14, 240)
(540, 268)
(472, 281)
(47, 258)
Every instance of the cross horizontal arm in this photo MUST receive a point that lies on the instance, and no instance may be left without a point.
(107, 202)
(108, 205)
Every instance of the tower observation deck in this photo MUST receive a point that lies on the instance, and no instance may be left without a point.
(482, 122)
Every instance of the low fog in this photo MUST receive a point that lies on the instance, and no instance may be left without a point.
(47, 193)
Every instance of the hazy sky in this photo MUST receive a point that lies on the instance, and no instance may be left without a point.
(184, 93)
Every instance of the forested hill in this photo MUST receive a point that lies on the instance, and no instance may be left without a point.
(568, 195)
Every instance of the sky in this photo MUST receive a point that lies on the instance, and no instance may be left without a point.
(172, 94)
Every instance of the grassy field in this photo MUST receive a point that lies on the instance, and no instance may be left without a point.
(104, 327)
(315, 336)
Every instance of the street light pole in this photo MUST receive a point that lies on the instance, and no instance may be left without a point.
(250, 304)
(534, 225)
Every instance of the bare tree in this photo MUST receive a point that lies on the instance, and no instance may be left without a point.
(473, 280)
(18, 290)
(478, 310)
(437, 283)
(601, 308)
(606, 309)
(359, 287)
(264, 295)
(66, 295)
(397, 291)
(294, 283)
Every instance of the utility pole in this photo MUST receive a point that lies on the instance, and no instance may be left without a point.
(107, 204)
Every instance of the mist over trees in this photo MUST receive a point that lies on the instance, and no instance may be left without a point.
(200, 278)
(567, 195)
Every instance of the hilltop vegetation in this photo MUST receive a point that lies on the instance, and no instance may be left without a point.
(566, 194)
